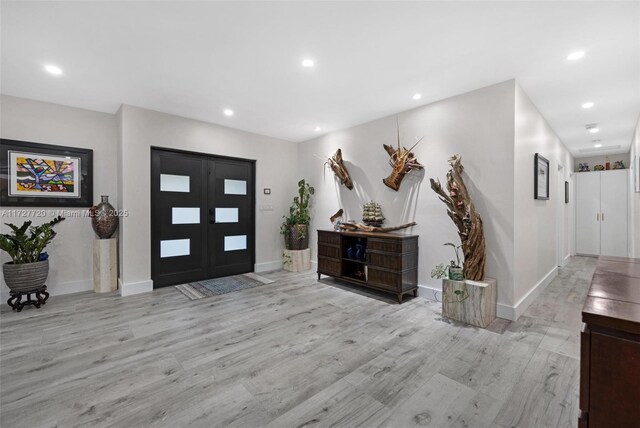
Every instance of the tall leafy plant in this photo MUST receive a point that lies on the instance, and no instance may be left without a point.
(299, 211)
(26, 243)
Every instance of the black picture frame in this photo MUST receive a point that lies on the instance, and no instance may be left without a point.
(82, 189)
(566, 192)
(541, 178)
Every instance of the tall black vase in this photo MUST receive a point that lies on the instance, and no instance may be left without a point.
(104, 218)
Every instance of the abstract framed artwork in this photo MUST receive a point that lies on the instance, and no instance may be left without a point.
(541, 178)
(44, 175)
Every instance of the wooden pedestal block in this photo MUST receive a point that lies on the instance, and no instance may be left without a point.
(105, 265)
(475, 304)
(297, 260)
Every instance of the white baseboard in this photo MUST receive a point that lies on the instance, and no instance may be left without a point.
(433, 293)
(522, 304)
(268, 266)
(135, 287)
(566, 260)
(58, 289)
(314, 265)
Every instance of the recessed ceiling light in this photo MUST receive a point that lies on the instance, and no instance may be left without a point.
(53, 69)
(308, 63)
(588, 104)
(318, 129)
(575, 55)
(417, 96)
(594, 130)
(228, 112)
(597, 146)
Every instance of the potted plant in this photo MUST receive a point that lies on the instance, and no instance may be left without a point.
(295, 226)
(29, 267)
(454, 270)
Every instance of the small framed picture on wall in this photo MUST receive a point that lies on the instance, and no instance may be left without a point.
(540, 178)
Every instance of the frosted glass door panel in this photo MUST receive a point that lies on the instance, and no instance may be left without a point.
(235, 187)
(174, 248)
(226, 215)
(234, 243)
(174, 183)
(185, 215)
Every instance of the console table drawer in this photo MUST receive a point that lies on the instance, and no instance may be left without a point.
(326, 237)
(409, 245)
(329, 266)
(397, 262)
(328, 251)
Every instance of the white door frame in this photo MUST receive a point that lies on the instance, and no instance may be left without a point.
(560, 217)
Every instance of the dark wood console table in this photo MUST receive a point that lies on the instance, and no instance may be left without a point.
(385, 262)
(610, 346)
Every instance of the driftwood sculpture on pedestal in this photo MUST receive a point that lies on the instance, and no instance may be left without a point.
(352, 226)
(463, 213)
(337, 166)
(402, 161)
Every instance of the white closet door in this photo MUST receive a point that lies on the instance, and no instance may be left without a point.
(588, 213)
(613, 205)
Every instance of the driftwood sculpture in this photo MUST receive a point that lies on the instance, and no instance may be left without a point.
(463, 213)
(336, 215)
(402, 161)
(337, 166)
(352, 226)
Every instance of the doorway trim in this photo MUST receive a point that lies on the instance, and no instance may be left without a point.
(211, 156)
(560, 217)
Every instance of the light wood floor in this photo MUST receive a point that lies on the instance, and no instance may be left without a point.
(296, 353)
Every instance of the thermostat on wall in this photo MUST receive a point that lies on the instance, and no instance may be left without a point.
(267, 191)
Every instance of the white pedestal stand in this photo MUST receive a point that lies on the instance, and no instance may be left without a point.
(105, 265)
(297, 260)
(475, 304)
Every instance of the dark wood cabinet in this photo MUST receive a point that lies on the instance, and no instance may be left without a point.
(382, 261)
(610, 346)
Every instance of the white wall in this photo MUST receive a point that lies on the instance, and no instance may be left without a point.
(602, 160)
(276, 168)
(634, 229)
(71, 261)
(535, 238)
(478, 125)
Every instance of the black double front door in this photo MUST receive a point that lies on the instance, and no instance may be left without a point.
(202, 216)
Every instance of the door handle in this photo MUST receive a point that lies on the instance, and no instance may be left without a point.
(602, 216)
(597, 216)
(212, 219)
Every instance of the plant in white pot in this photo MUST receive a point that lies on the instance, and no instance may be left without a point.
(29, 267)
(453, 270)
(295, 226)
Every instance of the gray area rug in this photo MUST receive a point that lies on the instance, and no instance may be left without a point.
(217, 286)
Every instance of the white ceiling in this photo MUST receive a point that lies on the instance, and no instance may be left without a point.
(196, 59)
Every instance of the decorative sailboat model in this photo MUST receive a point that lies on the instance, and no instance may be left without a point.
(372, 214)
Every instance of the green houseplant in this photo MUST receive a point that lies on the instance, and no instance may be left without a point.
(29, 267)
(453, 270)
(295, 226)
